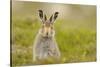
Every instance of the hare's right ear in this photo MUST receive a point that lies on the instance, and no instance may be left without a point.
(42, 16)
(56, 15)
(53, 18)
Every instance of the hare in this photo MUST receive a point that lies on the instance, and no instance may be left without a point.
(45, 45)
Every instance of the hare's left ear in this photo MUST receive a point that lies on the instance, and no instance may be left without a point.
(53, 18)
(42, 16)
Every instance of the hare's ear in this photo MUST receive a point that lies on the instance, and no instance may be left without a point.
(53, 18)
(56, 15)
(42, 16)
(45, 18)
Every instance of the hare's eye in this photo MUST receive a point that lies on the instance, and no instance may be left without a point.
(51, 27)
(42, 28)
(51, 31)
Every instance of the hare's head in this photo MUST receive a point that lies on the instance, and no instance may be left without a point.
(47, 24)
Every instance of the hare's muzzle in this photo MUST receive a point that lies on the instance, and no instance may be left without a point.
(47, 31)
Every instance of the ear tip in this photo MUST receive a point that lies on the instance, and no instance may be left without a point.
(40, 10)
(56, 12)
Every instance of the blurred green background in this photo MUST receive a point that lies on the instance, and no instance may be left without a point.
(75, 31)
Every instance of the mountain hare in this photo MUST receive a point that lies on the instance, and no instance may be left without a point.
(45, 45)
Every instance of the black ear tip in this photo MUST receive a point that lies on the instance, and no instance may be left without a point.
(56, 12)
(40, 10)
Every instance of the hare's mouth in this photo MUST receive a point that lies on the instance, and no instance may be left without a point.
(47, 36)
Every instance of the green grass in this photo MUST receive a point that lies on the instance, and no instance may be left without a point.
(75, 44)
(76, 38)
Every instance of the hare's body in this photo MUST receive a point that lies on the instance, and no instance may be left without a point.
(45, 48)
(45, 45)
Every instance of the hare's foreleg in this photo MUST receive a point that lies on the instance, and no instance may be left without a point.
(40, 51)
(55, 50)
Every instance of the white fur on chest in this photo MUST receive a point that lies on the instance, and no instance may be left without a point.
(45, 48)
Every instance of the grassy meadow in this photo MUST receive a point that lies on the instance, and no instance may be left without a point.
(75, 31)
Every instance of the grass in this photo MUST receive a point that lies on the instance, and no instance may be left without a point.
(76, 39)
(76, 45)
